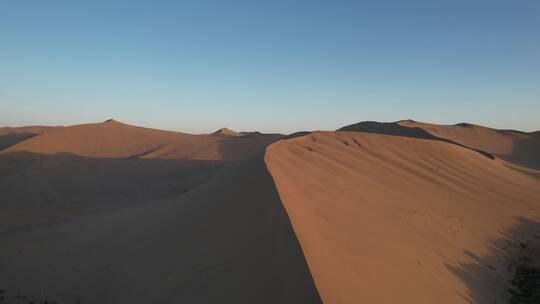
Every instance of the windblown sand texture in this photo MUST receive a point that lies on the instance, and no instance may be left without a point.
(402, 212)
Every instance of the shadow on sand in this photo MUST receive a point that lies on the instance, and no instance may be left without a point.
(393, 128)
(510, 272)
(10, 139)
(30, 180)
(525, 152)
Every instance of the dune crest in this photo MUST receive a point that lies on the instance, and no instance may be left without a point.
(388, 219)
(11, 136)
(226, 132)
(520, 148)
(110, 165)
(106, 139)
(114, 139)
(398, 212)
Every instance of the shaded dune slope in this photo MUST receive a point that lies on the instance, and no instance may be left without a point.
(517, 147)
(108, 139)
(228, 148)
(396, 129)
(113, 139)
(496, 141)
(395, 219)
(12, 136)
(228, 241)
(112, 165)
(66, 181)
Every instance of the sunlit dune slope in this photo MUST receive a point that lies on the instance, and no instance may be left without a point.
(514, 146)
(29, 129)
(518, 147)
(113, 139)
(226, 132)
(396, 219)
(499, 142)
(228, 241)
(11, 136)
(107, 139)
(112, 165)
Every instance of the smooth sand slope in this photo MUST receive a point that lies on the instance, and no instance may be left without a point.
(113, 213)
(11, 136)
(96, 184)
(517, 147)
(113, 139)
(112, 165)
(396, 219)
(228, 241)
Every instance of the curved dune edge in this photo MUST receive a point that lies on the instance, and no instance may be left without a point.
(11, 136)
(227, 241)
(113, 139)
(389, 219)
(520, 148)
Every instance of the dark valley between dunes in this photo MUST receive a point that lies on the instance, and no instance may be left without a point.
(374, 212)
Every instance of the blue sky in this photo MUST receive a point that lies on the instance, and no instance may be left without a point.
(279, 66)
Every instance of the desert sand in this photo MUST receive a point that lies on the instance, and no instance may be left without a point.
(402, 212)
(517, 147)
(113, 139)
(396, 219)
(226, 132)
(11, 136)
(113, 165)
(227, 241)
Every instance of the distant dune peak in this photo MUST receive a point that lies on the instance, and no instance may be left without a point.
(112, 121)
(226, 132)
(114, 139)
(521, 148)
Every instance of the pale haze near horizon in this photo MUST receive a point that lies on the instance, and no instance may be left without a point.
(279, 67)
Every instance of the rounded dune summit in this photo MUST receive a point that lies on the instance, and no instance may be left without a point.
(110, 165)
(226, 132)
(113, 139)
(108, 139)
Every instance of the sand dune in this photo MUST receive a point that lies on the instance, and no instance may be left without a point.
(112, 165)
(226, 132)
(113, 139)
(11, 136)
(228, 148)
(518, 147)
(495, 141)
(108, 139)
(394, 219)
(97, 184)
(228, 241)
(397, 213)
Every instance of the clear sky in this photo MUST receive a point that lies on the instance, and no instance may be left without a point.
(279, 66)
